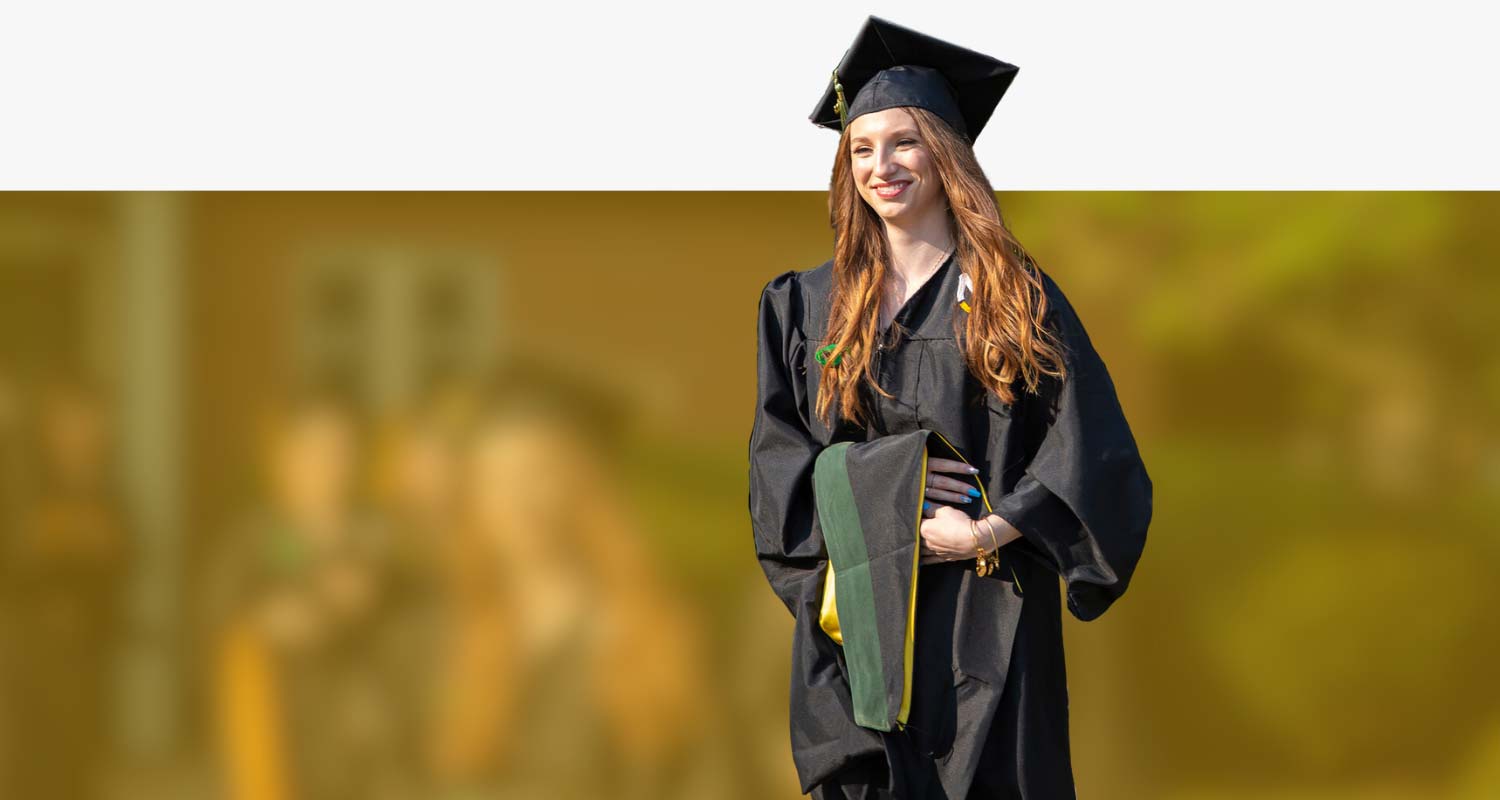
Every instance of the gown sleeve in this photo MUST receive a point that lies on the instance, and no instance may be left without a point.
(783, 513)
(1084, 501)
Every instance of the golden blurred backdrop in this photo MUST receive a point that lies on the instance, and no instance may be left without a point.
(322, 495)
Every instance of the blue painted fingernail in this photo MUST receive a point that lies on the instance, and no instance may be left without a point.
(926, 506)
(968, 499)
(973, 492)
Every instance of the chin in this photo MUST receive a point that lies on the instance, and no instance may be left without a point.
(887, 210)
(893, 210)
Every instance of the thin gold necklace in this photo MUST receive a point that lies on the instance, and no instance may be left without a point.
(923, 281)
(883, 344)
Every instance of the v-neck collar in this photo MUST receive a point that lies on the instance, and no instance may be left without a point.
(938, 279)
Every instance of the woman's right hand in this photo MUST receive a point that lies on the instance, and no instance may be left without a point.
(947, 536)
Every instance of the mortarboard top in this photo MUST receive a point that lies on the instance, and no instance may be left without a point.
(889, 65)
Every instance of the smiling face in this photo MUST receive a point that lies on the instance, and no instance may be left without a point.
(892, 167)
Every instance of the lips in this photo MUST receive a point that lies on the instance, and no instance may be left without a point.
(892, 189)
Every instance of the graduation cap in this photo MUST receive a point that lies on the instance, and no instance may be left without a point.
(889, 65)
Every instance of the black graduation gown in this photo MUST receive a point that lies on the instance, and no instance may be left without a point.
(989, 713)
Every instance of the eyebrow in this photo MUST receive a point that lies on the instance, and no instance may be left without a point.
(902, 132)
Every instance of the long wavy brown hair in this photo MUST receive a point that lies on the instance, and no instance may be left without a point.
(1004, 336)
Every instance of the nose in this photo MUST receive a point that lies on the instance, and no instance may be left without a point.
(885, 164)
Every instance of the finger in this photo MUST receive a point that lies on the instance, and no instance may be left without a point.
(954, 498)
(953, 485)
(949, 465)
(945, 482)
(929, 510)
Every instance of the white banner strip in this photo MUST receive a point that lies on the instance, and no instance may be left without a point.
(690, 96)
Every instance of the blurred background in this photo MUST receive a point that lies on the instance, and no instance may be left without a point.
(407, 495)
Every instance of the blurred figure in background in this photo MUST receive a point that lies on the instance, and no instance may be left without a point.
(295, 593)
(419, 486)
(64, 560)
(574, 672)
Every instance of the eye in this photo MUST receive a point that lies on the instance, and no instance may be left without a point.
(861, 150)
(906, 141)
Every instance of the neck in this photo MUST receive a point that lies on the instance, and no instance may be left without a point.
(916, 246)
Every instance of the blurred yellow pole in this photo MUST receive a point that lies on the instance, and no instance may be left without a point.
(250, 725)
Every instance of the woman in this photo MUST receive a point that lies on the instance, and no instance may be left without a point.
(296, 595)
(932, 332)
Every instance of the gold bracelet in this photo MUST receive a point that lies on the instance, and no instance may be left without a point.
(994, 557)
(982, 564)
(990, 526)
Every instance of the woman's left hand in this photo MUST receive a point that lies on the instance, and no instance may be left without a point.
(941, 488)
(945, 536)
